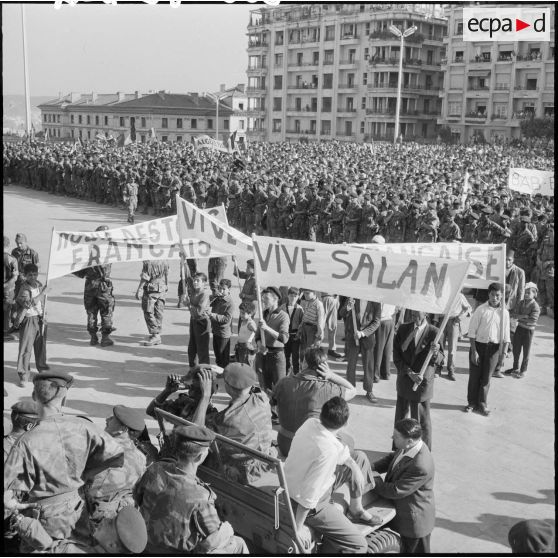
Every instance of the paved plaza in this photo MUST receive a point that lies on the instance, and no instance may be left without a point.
(490, 472)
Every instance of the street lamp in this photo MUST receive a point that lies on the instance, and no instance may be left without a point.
(407, 33)
(218, 97)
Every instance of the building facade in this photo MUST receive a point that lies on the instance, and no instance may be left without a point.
(489, 87)
(173, 117)
(329, 71)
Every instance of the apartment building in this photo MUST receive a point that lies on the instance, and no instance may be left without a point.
(490, 87)
(329, 71)
(174, 117)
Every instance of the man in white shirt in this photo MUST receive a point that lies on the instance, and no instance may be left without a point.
(318, 463)
(485, 332)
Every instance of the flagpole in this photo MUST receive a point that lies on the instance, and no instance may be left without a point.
(259, 297)
(25, 75)
(440, 330)
(504, 304)
(46, 283)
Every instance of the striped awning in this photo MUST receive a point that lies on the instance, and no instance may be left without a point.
(478, 73)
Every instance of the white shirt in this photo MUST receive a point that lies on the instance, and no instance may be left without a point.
(419, 331)
(310, 467)
(36, 308)
(485, 324)
(387, 311)
(411, 452)
(460, 303)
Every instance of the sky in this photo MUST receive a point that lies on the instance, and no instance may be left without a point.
(139, 47)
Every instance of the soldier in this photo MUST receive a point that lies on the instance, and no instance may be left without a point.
(260, 204)
(106, 493)
(152, 290)
(233, 211)
(325, 208)
(299, 225)
(38, 467)
(353, 216)
(24, 255)
(524, 244)
(10, 278)
(191, 523)
(130, 196)
(272, 215)
(314, 215)
(396, 225)
(170, 187)
(222, 194)
(545, 265)
(23, 418)
(98, 299)
(449, 230)
(487, 228)
(200, 324)
(336, 221)
(247, 210)
(413, 221)
(285, 206)
(428, 227)
(470, 229)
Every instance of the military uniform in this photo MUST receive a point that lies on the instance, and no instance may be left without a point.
(336, 222)
(353, 216)
(545, 261)
(154, 275)
(449, 230)
(299, 227)
(470, 229)
(23, 257)
(260, 202)
(10, 278)
(395, 230)
(130, 198)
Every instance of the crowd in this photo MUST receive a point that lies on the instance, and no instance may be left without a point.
(113, 496)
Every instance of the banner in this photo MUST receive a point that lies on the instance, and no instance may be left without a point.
(157, 239)
(417, 282)
(219, 238)
(486, 261)
(205, 142)
(530, 181)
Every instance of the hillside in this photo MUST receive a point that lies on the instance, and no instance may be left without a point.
(14, 111)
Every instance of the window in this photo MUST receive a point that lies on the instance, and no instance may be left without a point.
(328, 57)
(366, 53)
(178, 138)
(193, 124)
(500, 110)
(350, 80)
(179, 122)
(364, 78)
(277, 105)
(88, 119)
(88, 134)
(458, 56)
(315, 58)
(278, 82)
(164, 123)
(210, 123)
(367, 29)
(348, 128)
(459, 28)
(71, 118)
(58, 132)
(241, 124)
(226, 124)
(531, 84)
(240, 106)
(362, 127)
(276, 125)
(299, 58)
(314, 104)
(352, 56)
(278, 38)
(326, 127)
(122, 123)
(142, 138)
(72, 131)
(106, 120)
(80, 134)
(279, 60)
(363, 103)
(326, 104)
(328, 81)
(45, 118)
(429, 56)
(298, 103)
(454, 109)
(79, 119)
(58, 118)
(165, 138)
(297, 126)
(330, 32)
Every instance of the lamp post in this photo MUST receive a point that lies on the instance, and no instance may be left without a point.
(402, 36)
(218, 97)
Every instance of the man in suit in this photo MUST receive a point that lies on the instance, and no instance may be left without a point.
(411, 347)
(365, 315)
(409, 482)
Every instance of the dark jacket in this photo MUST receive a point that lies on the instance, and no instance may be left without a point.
(222, 309)
(410, 485)
(370, 322)
(412, 358)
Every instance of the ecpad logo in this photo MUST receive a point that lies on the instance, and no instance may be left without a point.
(511, 24)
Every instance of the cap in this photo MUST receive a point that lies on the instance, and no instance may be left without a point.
(378, 239)
(531, 536)
(132, 418)
(25, 407)
(59, 378)
(525, 219)
(273, 290)
(131, 529)
(197, 434)
(250, 262)
(239, 375)
(101, 228)
(531, 285)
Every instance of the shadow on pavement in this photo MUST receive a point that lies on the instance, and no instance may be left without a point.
(548, 497)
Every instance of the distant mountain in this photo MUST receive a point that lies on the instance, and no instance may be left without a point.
(14, 111)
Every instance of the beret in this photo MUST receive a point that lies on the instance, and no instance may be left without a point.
(59, 378)
(25, 407)
(531, 536)
(273, 290)
(197, 434)
(525, 219)
(250, 262)
(239, 375)
(132, 418)
(131, 529)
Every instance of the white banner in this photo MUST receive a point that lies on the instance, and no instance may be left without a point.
(530, 181)
(418, 282)
(219, 239)
(205, 142)
(487, 261)
(157, 239)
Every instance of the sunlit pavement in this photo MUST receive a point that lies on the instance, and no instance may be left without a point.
(490, 472)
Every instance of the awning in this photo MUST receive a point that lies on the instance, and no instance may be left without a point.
(478, 73)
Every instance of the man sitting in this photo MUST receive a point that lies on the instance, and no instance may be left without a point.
(246, 419)
(302, 396)
(318, 464)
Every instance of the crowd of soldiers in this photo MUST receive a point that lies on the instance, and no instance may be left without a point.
(329, 191)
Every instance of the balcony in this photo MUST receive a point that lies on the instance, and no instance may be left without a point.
(529, 57)
(394, 61)
(346, 136)
(258, 44)
(523, 91)
(347, 111)
(328, 62)
(255, 112)
(499, 117)
(303, 64)
(349, 38)
(475, 116)
(480, 60)
(348, 62)
(380, 112)
(260, 68)
(302, 132)
(504, 58)
(303, 86)
(257, 129)
(502, 87)
(458, 60)
(257, 89)
(303, 110)
(347, 86)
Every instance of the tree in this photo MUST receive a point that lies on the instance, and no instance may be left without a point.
(445, 134)
(537, 128)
